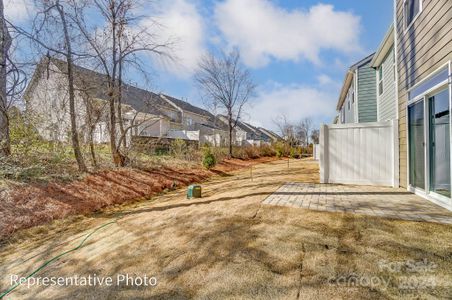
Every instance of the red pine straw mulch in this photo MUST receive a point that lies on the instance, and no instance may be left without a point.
(36, 204)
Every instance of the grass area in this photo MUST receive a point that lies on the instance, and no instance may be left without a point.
(229, 245)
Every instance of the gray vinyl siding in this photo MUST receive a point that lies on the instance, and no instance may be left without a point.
(387, 109)
(421, 49)
(367, 94)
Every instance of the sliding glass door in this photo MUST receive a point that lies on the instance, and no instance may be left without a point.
(416, 145)
(439, 143)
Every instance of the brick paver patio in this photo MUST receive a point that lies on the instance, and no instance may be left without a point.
(368, 200)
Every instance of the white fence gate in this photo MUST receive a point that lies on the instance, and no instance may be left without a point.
(363, 153)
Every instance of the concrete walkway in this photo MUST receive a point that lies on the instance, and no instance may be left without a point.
(368, 200)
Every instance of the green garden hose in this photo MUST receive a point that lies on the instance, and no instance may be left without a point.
(45, 264)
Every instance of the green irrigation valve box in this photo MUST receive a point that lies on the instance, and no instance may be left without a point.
(194, 191)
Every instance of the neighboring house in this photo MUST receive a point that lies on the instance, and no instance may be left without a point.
(143, 112)
(46, 98)
(358, 101)
(198, 120)
(239, 135)
(246, 134)
(423, 42)
(384, 64)
(270, 136)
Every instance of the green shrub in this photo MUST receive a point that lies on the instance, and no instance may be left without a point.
(208, 160)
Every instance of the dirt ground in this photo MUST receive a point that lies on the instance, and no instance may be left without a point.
(228, 245)
(32, 204)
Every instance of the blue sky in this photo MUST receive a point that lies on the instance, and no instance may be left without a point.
(297, 51)
(310, 89)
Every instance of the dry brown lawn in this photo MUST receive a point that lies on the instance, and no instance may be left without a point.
(228, 245)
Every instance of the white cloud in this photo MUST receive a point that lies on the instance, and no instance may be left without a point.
(324, 79)
(293, 101)
(182, 24)
(264, 31)
(18, 10)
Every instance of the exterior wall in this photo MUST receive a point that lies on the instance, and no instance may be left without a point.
(387, 100)
(240, 136)
(350, 105)
(191, 119)
(49, 105)
(367, 94)
(421, 49)
(151, 127)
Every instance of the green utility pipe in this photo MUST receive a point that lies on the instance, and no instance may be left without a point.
(45, 264)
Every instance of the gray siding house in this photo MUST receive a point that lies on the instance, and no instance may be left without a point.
(358, 100)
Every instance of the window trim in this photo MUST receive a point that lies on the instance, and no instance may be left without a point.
(408, 26)
(380, 80)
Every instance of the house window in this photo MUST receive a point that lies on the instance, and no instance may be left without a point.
(189, 121)
(411, 9)
(348, 103)
(342, 115)
(380, 80)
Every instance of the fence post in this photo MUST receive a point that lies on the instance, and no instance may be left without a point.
(395, 147)
(324, 163)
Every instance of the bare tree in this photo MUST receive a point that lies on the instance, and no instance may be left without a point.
(286, 129)
(315, 135)
(226, 84)
(70, 78)
(5, 44)
(304, 128)
(113, 46)
(53, 16)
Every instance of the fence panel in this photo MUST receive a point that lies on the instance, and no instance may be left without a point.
(364, 153)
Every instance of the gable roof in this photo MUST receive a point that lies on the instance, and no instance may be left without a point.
(349, 78)
(95, 85)
(188, 107)
(270, 134)
(384, 48)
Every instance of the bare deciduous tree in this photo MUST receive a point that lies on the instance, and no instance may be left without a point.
(287, 130)
(315, 135)
(304, 130)
(113, 46)
(226, 84)
(5, 44)
(53, 16)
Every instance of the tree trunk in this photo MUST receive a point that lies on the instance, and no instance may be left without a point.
(230, 135)
(121, 122)
(92, 150)
(70, 77)
(113, 93)
(5, 40)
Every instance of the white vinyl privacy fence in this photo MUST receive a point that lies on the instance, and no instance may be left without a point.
(316, 152)
(364, 153)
